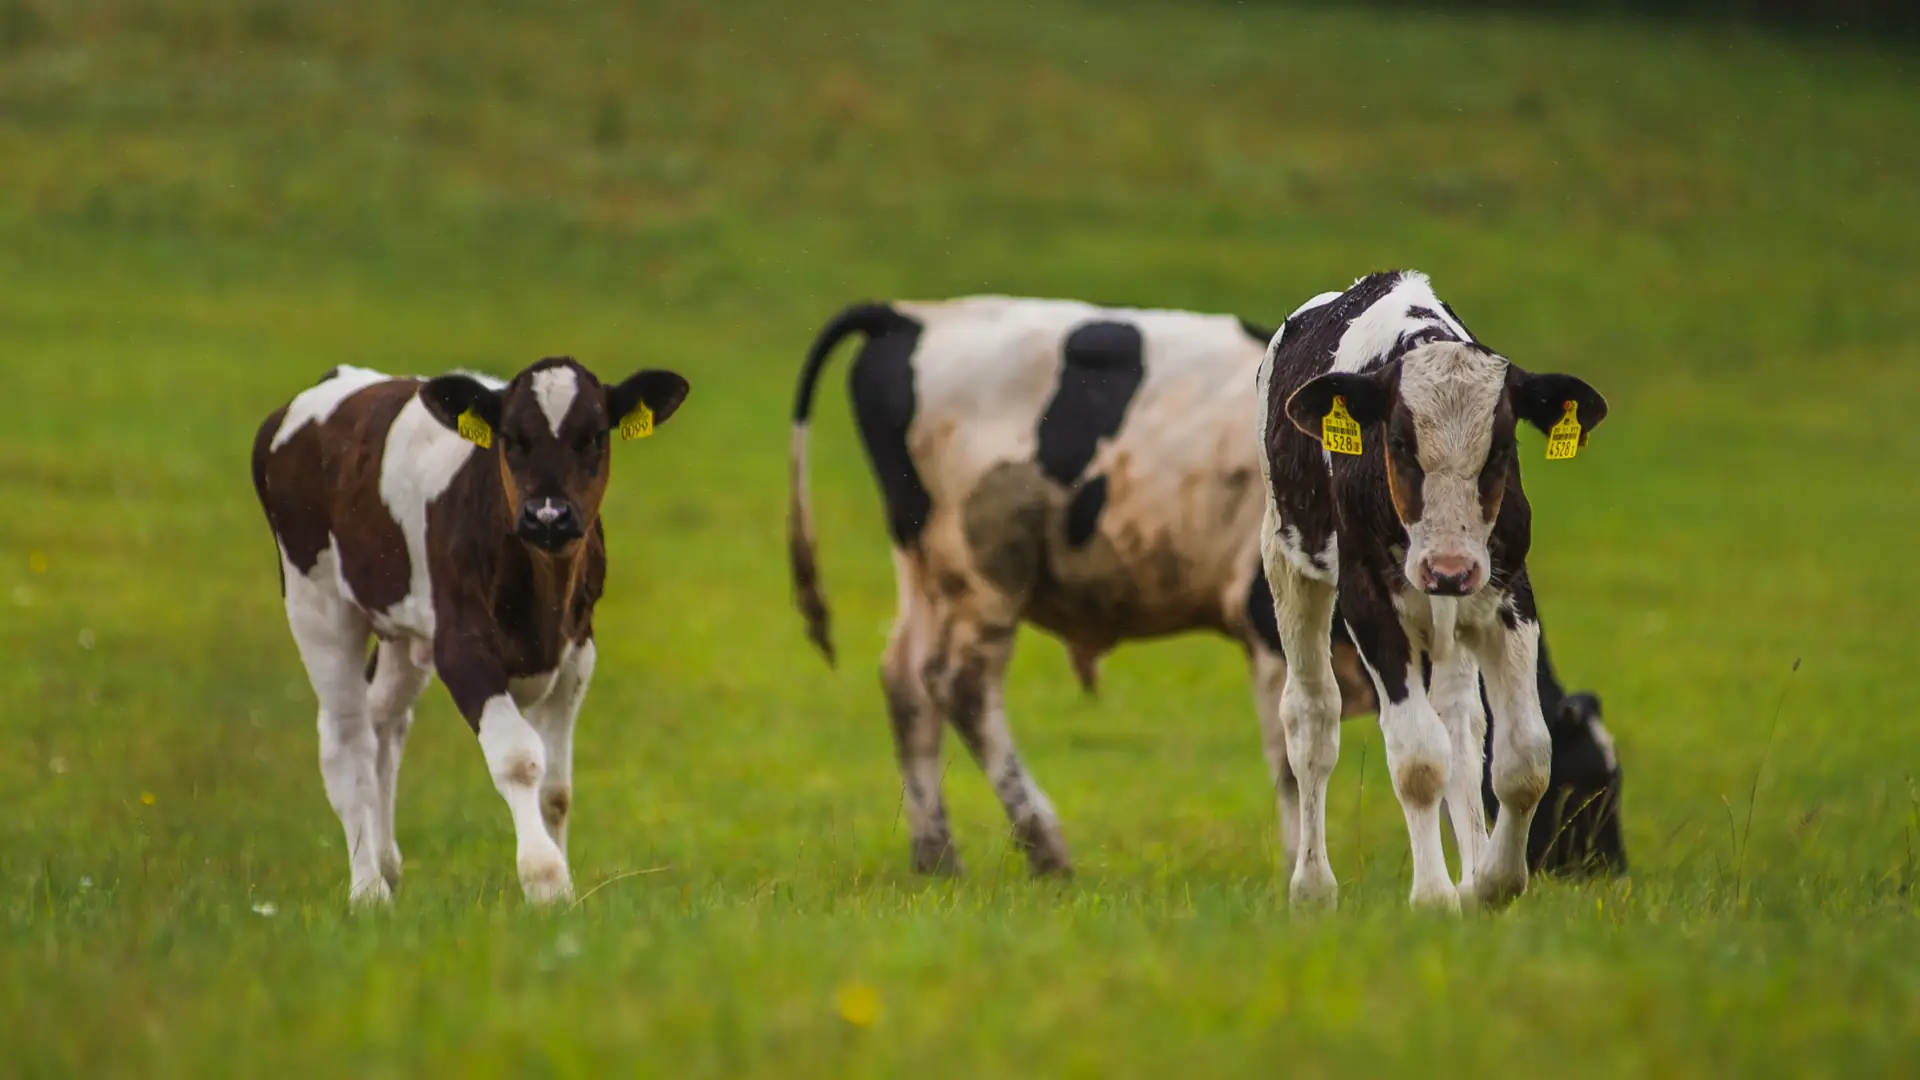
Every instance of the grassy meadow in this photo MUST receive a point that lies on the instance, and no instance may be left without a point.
(204, 204)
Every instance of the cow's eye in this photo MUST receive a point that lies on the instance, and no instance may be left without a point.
(590, 444)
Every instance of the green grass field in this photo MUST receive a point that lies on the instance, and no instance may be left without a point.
(206, 204)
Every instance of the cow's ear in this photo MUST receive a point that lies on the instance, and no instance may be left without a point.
(1367, 397)
(1541, 400)
(644, 402)
(465, 404)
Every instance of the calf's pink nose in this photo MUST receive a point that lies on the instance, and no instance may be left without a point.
(1447, 575)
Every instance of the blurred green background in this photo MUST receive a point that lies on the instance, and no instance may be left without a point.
(204, 204)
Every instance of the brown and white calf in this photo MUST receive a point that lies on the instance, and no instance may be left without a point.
(1090, 470)
(1420, 534)
(456, 519)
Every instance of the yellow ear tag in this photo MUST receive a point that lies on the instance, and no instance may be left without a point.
(474, 430)
(1339, 431)
(1565, 438)
(638, 423)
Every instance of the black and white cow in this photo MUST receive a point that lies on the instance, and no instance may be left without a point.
(1394, 489)
(458, 520)
(1089, 470)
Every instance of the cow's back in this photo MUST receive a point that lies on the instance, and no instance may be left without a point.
(1099, 461)
(329, 471)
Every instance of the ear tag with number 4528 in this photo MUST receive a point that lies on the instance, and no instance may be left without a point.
(1565, 439)
(1339, 431)
(638, 424)
(474, 430)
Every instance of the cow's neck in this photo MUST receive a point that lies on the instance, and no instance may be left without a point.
(535, 596)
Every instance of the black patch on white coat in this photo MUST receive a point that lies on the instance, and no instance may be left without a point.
(1104, 367)
(1349, 495)
(881, 386)
(1083, 511)
(1301, 485)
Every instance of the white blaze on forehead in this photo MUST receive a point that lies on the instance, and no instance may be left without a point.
(1452, 391)
(554, 388)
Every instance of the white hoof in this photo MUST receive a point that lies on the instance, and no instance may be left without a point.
(544, 878)
(1313, 886)
(1493, 889)
(371, 894)
(390, 864)
(1441, 898)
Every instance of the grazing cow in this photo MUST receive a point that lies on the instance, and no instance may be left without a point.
(1576, 831)
(1393, 486)
(1089, 470)
(457, 519)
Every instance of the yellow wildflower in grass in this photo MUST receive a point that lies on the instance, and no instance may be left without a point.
(146, 798)
(37, 561)
(857, 1003)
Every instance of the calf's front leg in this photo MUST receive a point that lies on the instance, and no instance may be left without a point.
(1418, 749)
(1455, 693)
(1522, 755)
(517, 759)
(554, 717)
(1309, 714)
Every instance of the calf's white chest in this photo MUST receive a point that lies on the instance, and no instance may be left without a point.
(530, 690)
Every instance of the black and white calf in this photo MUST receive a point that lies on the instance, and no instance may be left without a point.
(1394, 490)
(1088, 470)
(458, 520)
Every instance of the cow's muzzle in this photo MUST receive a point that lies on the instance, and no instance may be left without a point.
(549, 524)
(1451, 575)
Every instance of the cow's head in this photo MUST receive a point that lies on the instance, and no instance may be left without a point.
(549, 431)
(1576, 830)
(1445, 414)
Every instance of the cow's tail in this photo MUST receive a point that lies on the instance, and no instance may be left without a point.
(808, 593)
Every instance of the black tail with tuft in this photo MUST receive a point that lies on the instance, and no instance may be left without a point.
(809, 595)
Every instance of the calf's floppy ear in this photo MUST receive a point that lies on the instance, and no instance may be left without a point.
(464, 404)
(1541, 400)
(1368, 398)
(644, 402)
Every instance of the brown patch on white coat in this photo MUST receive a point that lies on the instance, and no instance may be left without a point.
(483, 563)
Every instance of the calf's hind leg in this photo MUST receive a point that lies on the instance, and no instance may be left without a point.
(967, 679)
(917, 726)
(965, 675)
(396, 684)
(331, 635)
(1269, 684)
